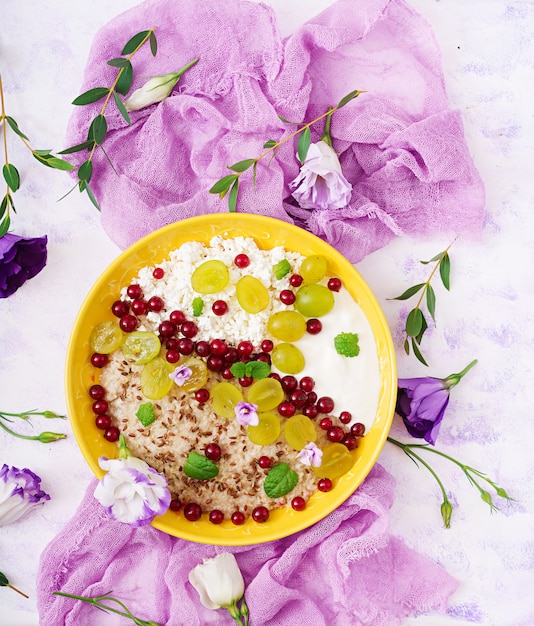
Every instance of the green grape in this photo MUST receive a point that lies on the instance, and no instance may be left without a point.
(266, 394)
(225, 397)
(106, 338)
(288, 358)
(287, 325)
(298, 431)
(155, 381)
(210, 277)
(312, 269)
(199, 373)
(141, 347)
(252, 294)
(337, 460)
(314, 300)
(266, 431)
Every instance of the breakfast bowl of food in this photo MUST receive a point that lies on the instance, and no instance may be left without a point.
(244, 359)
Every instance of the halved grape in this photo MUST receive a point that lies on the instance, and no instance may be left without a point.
(155, 381)
(266, 394)
(287, 325)
(252, 294)
(210, 277)
(199, 375)
(298, 431)
(337, 460)
(106, 337)
(266, 431)
(141, 346)
(288, 358)
(314, 300)
(225, 397)
(313, 268)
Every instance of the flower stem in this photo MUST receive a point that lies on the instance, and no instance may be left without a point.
(45, 437)
(454, 379)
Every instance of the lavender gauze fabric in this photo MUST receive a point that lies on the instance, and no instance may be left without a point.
(346, 570)
(400, 146)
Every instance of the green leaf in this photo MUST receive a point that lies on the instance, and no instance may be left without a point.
(281, 269)
(418, 354)
(91, 196)
(78, 147)
(346, 344)
(424, 327)
(303, 144)
(42, 153)
(242, 166)
(438, 257)
(445, 271)
(11, 176)
(257, 369)
(198, 306)
(223, 184)
(122, 108)
(414, 322)
(93, 95)
(350, 96)
(118, 62)
(270, 144)
(281, 117)
(4, 225)
(3, 206)
(135, 42)
(85, 171)
(199, 467)
(124, 81)
(407, 346)
(409, 292)
(15, 127)
(145, 413)
(97, 130)
(54, 162)
(232, 196)
(153, 44)
(280, 480)
(238, 369)
(431, 301)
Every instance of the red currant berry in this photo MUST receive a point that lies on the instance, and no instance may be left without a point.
(267, 345)
(103, 422)
(325, 404)
(325, 484)
(289, 383)
(167, 329)
(99, 360)
(175, 505)
(177, 317)
(219, 307)
(185, 346)
(241, 261)
(312, 398)
(215, 362)
(112, 434)
(120, 308)
(325, 423)
(334, 284)
(158, 273)
(298, 503)
(216, 516)
(345, 417)
(245, 348)
(287, 409)
(213, 451)
(246, 381)
(287, 297)
(264, 462)
(173, 355)
(202, 395)
(97, 392)
(128, 323)
(192, 512)
(134, 291)
(335, 434)
(357, 429)
(139, 307)
(260, 514)
(314, 326)
(238, 518)
(311, 411)
(189, 329)
(218, 347)
(155, 304)
(202, 348)
(276, 376)
(171, 343)
(226, 373)
(264, 356)
(350, 441)
(295, 280)
(298, 398)
(231, 356)
(100, 407)
(307, 383)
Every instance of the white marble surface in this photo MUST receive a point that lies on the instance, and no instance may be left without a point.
(488, 53)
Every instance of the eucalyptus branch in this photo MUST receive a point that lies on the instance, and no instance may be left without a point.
(10, 172)
(230, 184)
(471, 473)
(44, 437)
(4, 582)
(416, 324)
(97, 601)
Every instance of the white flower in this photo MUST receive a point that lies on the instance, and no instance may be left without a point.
(246, 414)
(20, 491)
(131, 491)
(311, 455)
(320, 183)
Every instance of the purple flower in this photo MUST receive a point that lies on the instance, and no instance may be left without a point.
(421, 402)
(311, 455)
(246, 414)
(20, 491)
(20, 260)
(320, 183)
(181, 374)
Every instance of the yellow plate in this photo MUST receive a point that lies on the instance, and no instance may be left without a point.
(154, 248)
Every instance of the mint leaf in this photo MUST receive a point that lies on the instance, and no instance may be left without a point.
(238, 369)
(198, 306)
(145, 413)
(199, 467)
(280, 480)
(281, 269)
(257, 369)
(346, 344)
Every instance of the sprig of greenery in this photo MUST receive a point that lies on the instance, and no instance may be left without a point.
(10, 172)
(98, 602)
(4, 582)
(44, 437)
(416, 323)
(473, 475)
(98, 128)
(229, 185)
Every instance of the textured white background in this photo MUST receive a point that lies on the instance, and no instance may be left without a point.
(488, 61)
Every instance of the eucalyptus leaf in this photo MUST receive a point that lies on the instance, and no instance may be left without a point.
(124, 81)
(424, 327)
(350, 96)
(42, 153)
(55, 162)
(232, 197)
(223, 184)
(4, 225)
(122, 108)
(91, 196)
(86, 145)
(242, 166)
(135, 42)
(118, 62)
(93, 95)
(271, 143)
(97, 130)
(304, 144)
(11, 176)
(438, 257)
(409, 292)
(3, 206)
(407, 346)
(431, 301)
(445, 271)
(414, 322)
(153, 44)
(15, 127)
(85, 171)
(418, 354)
